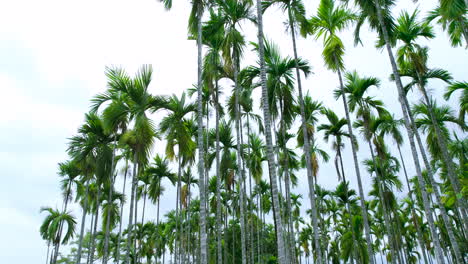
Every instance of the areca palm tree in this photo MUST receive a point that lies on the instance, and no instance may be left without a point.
(269, 141)
(195, 29)
(411, 55)
(451, 15)
(136, 106)
(234, 13)
(296, 14)
(356, 89)
(52, 226)
(463, 86)
(328, 22)
(175, 126)
(93, 154)
(389, 125)
(380, 19)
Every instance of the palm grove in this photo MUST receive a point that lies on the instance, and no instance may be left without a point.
(234, 161)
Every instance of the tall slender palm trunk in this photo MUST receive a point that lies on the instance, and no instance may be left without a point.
(411, 132)
(449, 165)
(111, 189)
(290, 238)
(269, 142)
(435, 187)
(348, 207)
(385, 210)
(119, 236)
(178, 209)
(218, 178)
(130, 217)
(93, 234)
(310, 179)
(83, 223)
(201, 155)
(93, 218)
(251, 231)
(358, 173)
(60, 229)
(240, 170)
(413, 213)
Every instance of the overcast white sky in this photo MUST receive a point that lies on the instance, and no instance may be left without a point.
(52, 59)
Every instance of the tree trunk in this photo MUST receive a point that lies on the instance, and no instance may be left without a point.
(111, 189)
(83, 222)
(358, 174)
(385, 210)
(287, 188)
(201, 161)
(178, 209)
(442, 142)
(270, 153)
(435, 187)
(348, 207)
(47, 256)
(413, 213)
(130, 217)
(240, 171)
(93, 236)
(93, 218)
(218, 179)
(60, 229)
(411, 132)
(251, 231)
(313, 208)
(121, 214)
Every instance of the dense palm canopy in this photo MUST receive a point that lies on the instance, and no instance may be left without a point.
(236, 173)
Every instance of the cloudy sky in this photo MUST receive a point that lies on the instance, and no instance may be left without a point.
(52, 59)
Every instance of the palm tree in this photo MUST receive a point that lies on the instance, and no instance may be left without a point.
(159, 170)
(296, 13)
(138, 102)
(234, 13)
(213, 70)
(269, 140)
(196, 14)
(328, 22)
(280, 82)
(380, 19)
(451, 15)
(91, 150)
(175, 126)
(388, 125)
(52, 226)
(356, 91)
(463, 105)
(412, 55)
(334, 129)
